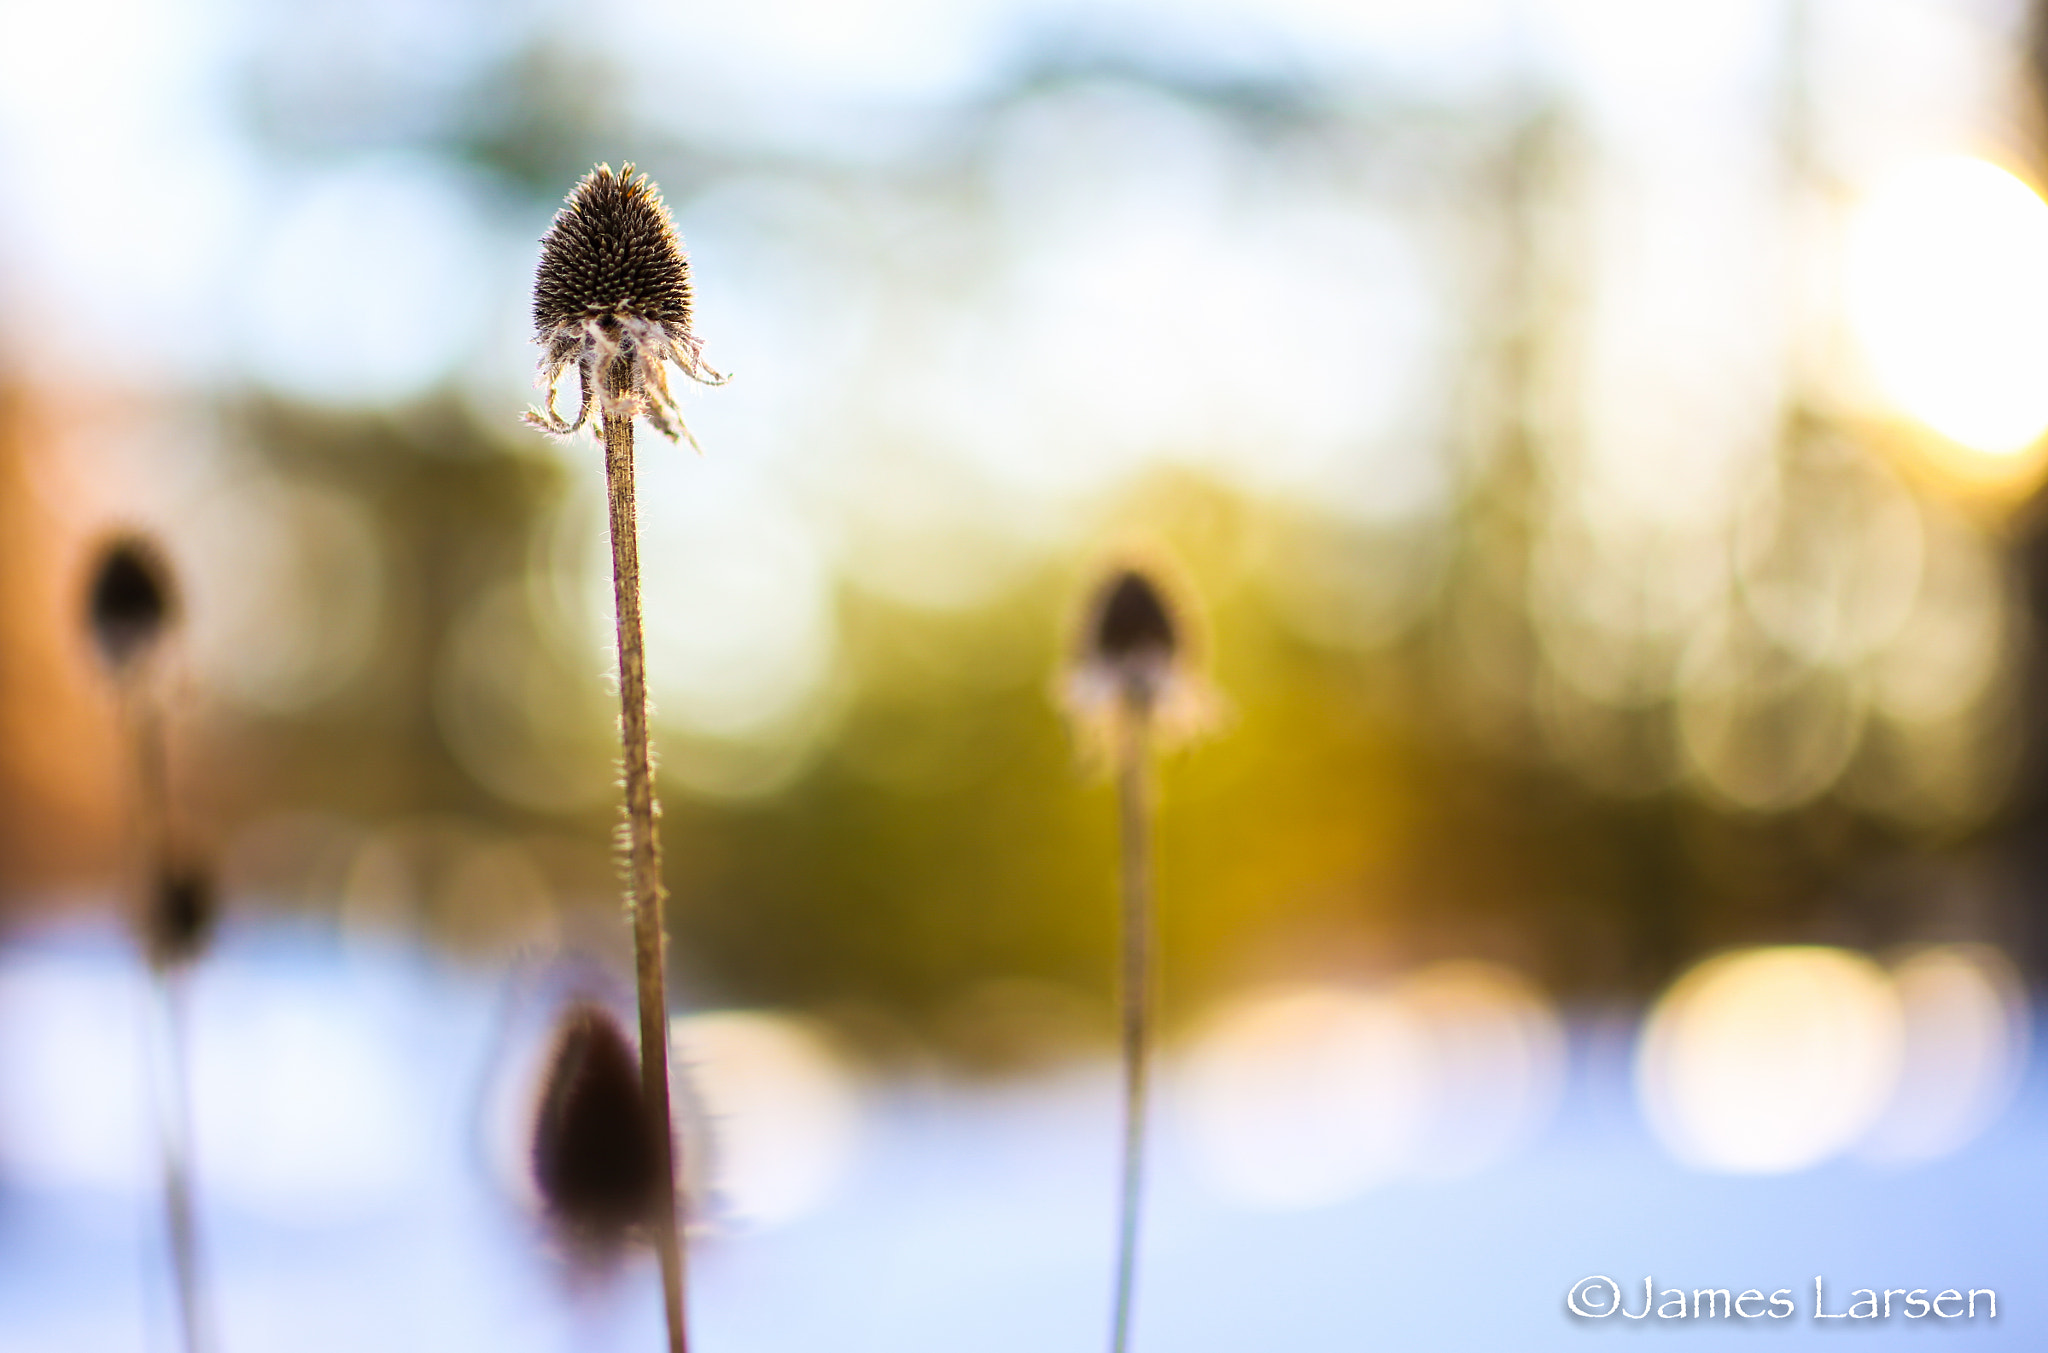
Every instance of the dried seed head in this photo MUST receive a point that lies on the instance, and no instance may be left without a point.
(594, 1159)
(1134, 658)
(1132, 624)
(181, 915)
(612, 299)
(1131, 645)
(130, 601)
(612, 252)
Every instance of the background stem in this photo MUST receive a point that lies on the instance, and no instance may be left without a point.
(644, 864)
(1134, 808)
(173, 1092)
(175, 1129)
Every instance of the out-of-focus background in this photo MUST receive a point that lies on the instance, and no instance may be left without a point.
(1602, 443)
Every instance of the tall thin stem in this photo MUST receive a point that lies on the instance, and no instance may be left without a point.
(173, 1100)
(1134, 809)
(650, 943)
(175, 1129)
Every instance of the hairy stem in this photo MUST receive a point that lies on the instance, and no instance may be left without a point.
(1134, 810)
(650, 943)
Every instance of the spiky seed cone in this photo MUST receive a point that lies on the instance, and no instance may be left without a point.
(130, 602)
(612, 252)
(181, 916)
(595, 1165)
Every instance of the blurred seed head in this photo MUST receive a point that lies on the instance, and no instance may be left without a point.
(612, 298)
(130, 602)
(594, 1159)
(1130, 643)
(1134, 658)
(1133, 626)
(181, 916)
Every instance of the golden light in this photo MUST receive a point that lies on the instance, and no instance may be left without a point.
(1769, 1060)
(1947, 289)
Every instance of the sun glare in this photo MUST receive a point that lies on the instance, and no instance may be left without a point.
(1947, 283)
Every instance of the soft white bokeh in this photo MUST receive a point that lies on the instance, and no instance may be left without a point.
(1764, 1061)
(300, 1107)
(782, 1109)
(75, 1112)
(1966, 1035)
(368, 285)
(124, 188)
(301, 1104)
(1684, 341)
(1461, 42)
(1497, 1061)
(1897, 81)
(1655, 75)
(788, 63)
(1302, 1096)
(1165, 301)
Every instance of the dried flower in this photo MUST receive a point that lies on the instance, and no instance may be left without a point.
(1131, 686)
(181, 916)
(594, 1159)
(1135, 657)
(1133, 632)
(130, 601)
(612, 298)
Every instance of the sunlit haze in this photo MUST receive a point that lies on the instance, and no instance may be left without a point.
(1947, 283)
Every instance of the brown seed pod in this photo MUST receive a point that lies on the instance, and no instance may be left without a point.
(594, 1160)
(1132, 623)
(130, 601)
(181, 915)
(612, 298)
(612, 251)
(1132, 645)
(1137, 657)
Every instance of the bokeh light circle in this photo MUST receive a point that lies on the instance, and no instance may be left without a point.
(1965, 1050)
(782, 1108)
(1302, 1096)
(1947, 282)
(1770, 1060)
